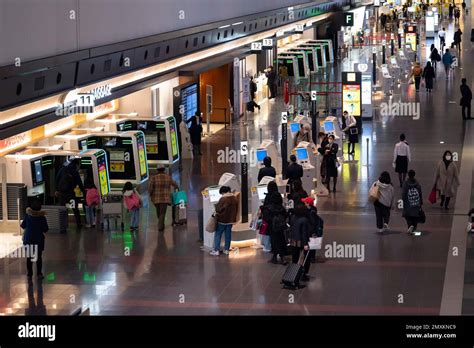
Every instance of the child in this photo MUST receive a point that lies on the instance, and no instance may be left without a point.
(92, 200)
(35, 226)
(132, 201)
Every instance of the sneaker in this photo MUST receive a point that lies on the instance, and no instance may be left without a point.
(214, 253)
(266, 250)
(410, 229)
(385, 227)
(226, 252)
(379, 230)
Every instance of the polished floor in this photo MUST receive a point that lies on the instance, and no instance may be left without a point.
(168, 274)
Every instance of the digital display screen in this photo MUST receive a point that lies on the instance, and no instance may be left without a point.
(103, 174)
(262, 192)
(294, 127)
(142, 155)
(214, 195)
(174, 140)
(351, 99)
(38, 172)
(366, 89)
(329, 126)
(261, 154)
(117, 155)
(142, 125)
(302, 154)
(301, 69)
(84, 144)
(189, 100)
(110, 142)
(151, 143)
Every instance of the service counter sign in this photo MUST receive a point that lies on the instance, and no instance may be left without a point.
(351, 93)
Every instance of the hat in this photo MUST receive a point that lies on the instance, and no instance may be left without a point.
(309, 200)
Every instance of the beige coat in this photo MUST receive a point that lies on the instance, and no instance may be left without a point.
(446, 180)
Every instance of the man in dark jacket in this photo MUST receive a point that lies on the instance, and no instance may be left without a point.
(457, 39)
(466, 97)
(195, 131)
(67, 180)
(299, 238)
(267, 170)
(293, 172)
(271, 81)
(412, 201)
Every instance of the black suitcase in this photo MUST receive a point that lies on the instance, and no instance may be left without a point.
(292, 276)
(250, 107)
(57, 218)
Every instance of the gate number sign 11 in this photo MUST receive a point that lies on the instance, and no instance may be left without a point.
(85, 99)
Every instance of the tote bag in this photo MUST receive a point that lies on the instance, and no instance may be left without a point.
(373, 193)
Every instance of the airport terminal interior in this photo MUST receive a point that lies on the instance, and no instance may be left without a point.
(98, 107)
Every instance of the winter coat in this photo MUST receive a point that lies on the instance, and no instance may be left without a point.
(226, 209)
(412, 198)
(466, 95)
(299, 232)
(195, 131)
(386, 196)
(266, 171)
(35, 226)
(446, 180)
(447, 59)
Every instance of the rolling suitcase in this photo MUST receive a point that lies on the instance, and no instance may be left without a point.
(57, 218)
(180, 214)
(292, 276)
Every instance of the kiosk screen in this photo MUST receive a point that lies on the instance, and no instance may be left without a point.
(302, 154)
(151, 143)
(117, 161)
(174, 140)
(329, 126)
(261, 154)
(262, 192)
(103, 173)
(301, 69)
(294, 127)
(37, 172)
(214, 195)
(142, 155)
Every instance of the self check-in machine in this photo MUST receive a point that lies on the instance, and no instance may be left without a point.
(320, 55)
(327, 49)
(305, 157)
(126, 152)
(38, 167)
(302, 55)
(268, 148)
(291, 65)
(160, 137)
(310, 55)
(387, 80)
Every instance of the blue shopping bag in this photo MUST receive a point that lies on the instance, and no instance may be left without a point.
(179, 196)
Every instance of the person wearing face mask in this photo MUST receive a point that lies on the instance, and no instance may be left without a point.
(446, 178)
(329, 163)
(351, 131)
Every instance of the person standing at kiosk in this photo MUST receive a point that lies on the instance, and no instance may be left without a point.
(67, 180)
(293, 172)
(267, 170)
(329, 163)
(351, 131)
(226, 216)
(160, 194)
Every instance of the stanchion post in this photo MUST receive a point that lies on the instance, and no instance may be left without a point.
(367, 141)
(261, 135)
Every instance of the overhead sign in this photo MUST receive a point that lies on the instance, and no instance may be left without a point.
(299, 28)
(349, 19)
(376, 2)
(244, 148)
(267, 44)
(101, 92)
(313, 95)
(284, 117)
(256, 46)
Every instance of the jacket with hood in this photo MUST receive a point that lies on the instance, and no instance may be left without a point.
(35, 225)
(386, 196)
(226, 209)
(412, 198)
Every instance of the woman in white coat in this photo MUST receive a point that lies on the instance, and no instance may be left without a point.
(446, 178)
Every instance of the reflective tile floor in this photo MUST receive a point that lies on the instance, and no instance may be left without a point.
(167, 273)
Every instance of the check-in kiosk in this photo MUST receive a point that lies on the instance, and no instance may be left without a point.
(330, 125)
(38, 168)
(301, 68)
(387, 80)
(312, 57)
(291, 64)
(126, 153)
(302, 55)
(327, 49)
(304, 156)
(268, 148)
(320, 55)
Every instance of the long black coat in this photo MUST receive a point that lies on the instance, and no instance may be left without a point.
(466, 95)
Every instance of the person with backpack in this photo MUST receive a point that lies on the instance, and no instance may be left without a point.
(447, 61)
(428, 75)
(67, 180)
(132, 202)
(384, 202)
(35, 226)
(446, 178)
(92, 202)
(417, 73)
(159, 189)
(274, 214)
(434, 57)
(412, 201)
(316, 224)
(299, 238)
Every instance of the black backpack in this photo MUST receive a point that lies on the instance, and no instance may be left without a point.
(279, 223)
(66, 182)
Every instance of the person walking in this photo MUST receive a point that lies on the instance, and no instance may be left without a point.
(274, 214)
(92, 203)
(195, 131)
(226, 216)
(401, 158)
(447, 61)
(466, 97)
(132, 202)
(352, 132)
(446, 178)
(457, 14)
(428, 75)
(442, 38)
(412, 201)
(299, 238)
(457, 39)
(271, 81)
(67, 180)
(267, 170)
(160, 194)
(434, 57)
(417, 73)
(35, 226)
(251, 105)
(293, 172)
(329, 163)
(464, 6)
(385, 201)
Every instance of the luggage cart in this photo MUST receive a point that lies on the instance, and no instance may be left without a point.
(112, 208)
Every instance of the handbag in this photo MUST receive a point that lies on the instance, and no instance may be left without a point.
(315, 243)
(421, 217)
(374, 193)
(178, 197)
(263, 228)
(211, 224)
(354, 131)
(432, 196)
